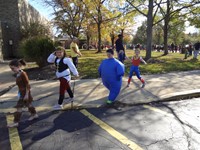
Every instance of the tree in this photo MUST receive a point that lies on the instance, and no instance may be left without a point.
(34, 29)
(140, 36)
(149, 11)
(158, 34)
(89, 30)
(69, 16)
(170, 9)
(167, 9)
(176, 29)
(98, 12)
(194, 16)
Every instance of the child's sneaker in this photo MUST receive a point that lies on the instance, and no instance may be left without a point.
(109, 102)
(143, 85)
(13, 125)
(57, 107)
(35, 116)
(128, 85)
(68, 100)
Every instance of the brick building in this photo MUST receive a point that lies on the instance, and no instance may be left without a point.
(15, 15)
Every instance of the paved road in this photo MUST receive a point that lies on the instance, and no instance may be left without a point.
(166, 126)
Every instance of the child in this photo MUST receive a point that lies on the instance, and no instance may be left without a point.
(111, 71)
(63, 67)
(24, 94)
(135, 67)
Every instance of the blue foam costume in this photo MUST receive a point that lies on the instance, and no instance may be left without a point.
(111, 71)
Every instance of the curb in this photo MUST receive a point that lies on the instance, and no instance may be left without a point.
(6, 89)
(170, 97)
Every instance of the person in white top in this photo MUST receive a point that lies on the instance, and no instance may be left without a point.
(63, 67)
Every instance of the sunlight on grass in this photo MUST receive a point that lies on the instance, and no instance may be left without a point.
(90, 61)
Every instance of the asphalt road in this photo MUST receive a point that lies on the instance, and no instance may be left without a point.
(160, 126)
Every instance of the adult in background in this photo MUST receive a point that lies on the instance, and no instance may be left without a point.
(74, 52)
(196, 49)
(111, 71)
(120, 49)
(190, 49)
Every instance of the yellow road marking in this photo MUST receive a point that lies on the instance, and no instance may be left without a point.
(158, 110)
(49, 108)
(112, 131)
(15, 142)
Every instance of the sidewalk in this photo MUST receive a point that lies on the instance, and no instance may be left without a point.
(6, 77)
(91, 93)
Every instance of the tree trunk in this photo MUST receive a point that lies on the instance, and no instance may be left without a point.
(88, 42)
(166, 24)
(122, 32)
(165, 39)
(99, 37)
(112, 36)
(149, 30)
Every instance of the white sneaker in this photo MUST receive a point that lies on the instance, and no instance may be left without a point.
(33, 117)
(68, 100)
(57, 107)
(13, 125)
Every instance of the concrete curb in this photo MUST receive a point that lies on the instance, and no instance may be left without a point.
(76, 106)
(167, 98)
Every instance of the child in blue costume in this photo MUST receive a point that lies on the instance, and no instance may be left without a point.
(111, 71)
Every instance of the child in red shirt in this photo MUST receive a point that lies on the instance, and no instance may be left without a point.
(135, 67)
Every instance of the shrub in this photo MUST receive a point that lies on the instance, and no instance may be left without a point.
(37, 49)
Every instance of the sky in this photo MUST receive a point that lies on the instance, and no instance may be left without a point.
(38, 5)
(46, 12)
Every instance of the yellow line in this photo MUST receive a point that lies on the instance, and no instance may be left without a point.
(111, 131)
(13, 135)
(49, 108)
(158, 110)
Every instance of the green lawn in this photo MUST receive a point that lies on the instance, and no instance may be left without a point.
(89, 63)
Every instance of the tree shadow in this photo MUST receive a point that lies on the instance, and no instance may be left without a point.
(68, 121)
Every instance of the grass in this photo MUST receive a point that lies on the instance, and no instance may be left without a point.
(89, 63)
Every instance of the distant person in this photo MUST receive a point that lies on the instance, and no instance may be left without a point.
(196, 49)
(172, 47)
(74, 52)
(24, 93)
(111, 71)
(120, 48)
(136, 59)
(190, 48)
(63, 67)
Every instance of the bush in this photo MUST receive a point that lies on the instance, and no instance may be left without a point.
(37, 49)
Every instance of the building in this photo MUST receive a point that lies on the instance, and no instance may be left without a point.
(14, 16)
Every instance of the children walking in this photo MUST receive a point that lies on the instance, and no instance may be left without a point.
(63, 67)
(135, 67)
(24, 94)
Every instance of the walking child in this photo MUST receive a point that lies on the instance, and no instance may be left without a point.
(24, 93)
(136, 59)
(111, 71)
(63, 67)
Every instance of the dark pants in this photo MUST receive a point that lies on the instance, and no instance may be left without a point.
(64, 85)
(75, 61)
(121, 56)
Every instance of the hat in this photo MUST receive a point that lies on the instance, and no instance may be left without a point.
(110, 51)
